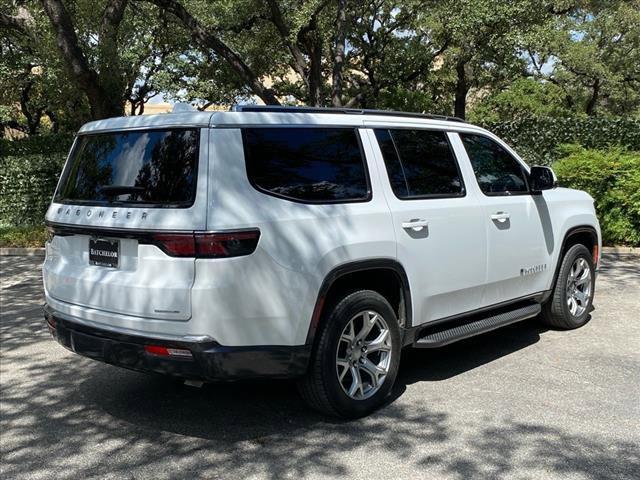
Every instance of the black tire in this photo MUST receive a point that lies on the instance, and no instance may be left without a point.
(320, 388)
(556, 312)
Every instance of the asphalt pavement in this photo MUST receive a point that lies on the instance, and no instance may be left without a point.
(522, 402)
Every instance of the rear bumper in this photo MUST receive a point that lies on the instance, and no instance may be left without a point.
(209, 360)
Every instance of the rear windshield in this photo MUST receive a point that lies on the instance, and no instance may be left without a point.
(151, 167)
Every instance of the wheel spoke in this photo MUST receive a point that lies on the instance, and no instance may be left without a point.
(368, 322)
(356, 383)
(373, 370)
(345, 368)
(584, 280)
(581, 296)
(380, 343)
(573, 305)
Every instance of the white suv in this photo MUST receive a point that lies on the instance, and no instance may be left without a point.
(308, 243)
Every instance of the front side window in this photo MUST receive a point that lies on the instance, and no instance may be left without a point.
(497, 171)
(151, 167)
(420, 163)
(318, 165)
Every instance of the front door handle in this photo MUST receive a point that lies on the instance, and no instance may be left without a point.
(415, 225)
(500, 216)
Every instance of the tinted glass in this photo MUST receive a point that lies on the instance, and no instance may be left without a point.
(308, 164)
(145, 167)
(420, 163)
(495, 168)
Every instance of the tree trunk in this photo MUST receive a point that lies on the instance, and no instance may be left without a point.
(461, 91)
(593, 101)
(103, 104)
(339, 54)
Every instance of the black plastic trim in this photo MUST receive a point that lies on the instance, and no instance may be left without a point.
(352, 267)
(471, 315)
(210, 361)
(572, 231)
(434, 338)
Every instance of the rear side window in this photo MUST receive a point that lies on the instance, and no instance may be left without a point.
(420, 163)
(319, 165)
(151, 167)
(497, 171)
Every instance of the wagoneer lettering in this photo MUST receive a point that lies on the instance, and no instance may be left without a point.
(305, 243)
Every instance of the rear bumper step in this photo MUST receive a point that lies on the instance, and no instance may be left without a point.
(433, 337)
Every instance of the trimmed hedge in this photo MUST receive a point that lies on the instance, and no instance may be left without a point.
(612, 178)
(38, 145)
(29, 171)
(537, 139)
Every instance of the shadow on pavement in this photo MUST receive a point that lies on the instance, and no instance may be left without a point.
(68, 417)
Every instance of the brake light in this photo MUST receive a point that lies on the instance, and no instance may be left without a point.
(208, 245)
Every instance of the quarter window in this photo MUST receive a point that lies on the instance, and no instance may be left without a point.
(320, 165)
(497, 171)
(420, 163)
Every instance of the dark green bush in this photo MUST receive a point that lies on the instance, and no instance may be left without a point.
(612, 178)
(29, 171)
(537, 139)
(27, 183)
(37, 145)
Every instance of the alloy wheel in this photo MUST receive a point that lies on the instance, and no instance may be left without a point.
(363, 355)
(579, 287)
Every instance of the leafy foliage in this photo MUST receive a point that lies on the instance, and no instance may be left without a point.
(32, 236)
(537, 139)
(29, 171)
(612, 178)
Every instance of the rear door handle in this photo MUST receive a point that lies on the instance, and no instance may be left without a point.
(415, 225)
(500, 216)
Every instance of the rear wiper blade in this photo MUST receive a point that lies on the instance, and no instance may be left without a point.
(115, 190)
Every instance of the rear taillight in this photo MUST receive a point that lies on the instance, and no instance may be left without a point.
(176, 244)
(208, 245)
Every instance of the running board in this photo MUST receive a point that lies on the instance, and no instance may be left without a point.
(432, 338)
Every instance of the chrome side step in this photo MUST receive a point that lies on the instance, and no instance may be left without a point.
(440, 335)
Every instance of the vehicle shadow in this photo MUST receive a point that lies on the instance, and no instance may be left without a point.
(67, 417)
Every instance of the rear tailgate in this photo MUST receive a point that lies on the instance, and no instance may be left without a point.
(118, 190)
(146, 282)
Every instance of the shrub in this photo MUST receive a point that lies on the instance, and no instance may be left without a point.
(537, 139)
(27, 183)
(23, 237)
(612, 178)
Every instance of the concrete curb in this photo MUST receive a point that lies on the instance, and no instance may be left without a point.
(24, 252)
(621, 250)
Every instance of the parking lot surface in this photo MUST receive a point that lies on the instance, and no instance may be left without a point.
(521, 402)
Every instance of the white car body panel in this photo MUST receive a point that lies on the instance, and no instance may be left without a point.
(268, 298)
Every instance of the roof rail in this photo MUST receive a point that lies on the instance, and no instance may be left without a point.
(351, 111)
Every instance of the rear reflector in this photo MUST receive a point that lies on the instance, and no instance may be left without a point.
(208, 245)
(596, 251)
(167, 352)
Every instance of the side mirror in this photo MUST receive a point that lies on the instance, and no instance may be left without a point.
(542, 178)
